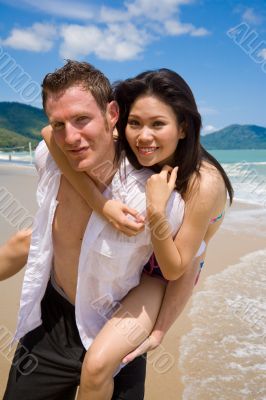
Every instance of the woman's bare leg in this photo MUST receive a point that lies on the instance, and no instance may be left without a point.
(130, 325)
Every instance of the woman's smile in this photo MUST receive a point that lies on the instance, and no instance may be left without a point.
(146, 151)
(152, 131)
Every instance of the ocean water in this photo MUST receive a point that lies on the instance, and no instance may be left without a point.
(223, 357)
(247, 172)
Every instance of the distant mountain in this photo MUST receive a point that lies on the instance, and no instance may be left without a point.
(236, 137)
(20, 124)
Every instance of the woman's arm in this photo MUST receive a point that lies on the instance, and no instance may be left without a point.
(14, 254)
(114, 211)
(173, 255)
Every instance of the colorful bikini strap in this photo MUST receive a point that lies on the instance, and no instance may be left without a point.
(215, 219)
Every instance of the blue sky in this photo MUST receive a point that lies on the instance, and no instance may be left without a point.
(218, 46)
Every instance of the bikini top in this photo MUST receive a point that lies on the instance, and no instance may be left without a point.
(215, 219)
(203, 245)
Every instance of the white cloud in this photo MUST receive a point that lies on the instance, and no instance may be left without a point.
(176, 28)
(38, 38)
(120, 33)
(116, 42)
(123, 42)
(208, 129)
(262, 54)
(111, 15)
(79, 40)
(81, 10)
(157, 10)
(206, 111)
(200, 32)
(67, 9)
(251, 17)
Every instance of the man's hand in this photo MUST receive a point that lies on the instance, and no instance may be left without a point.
(117, 213)
(14, 254)
(153, 341)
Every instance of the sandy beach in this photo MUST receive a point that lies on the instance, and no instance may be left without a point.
(225, 250)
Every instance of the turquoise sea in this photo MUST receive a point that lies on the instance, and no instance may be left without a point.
(235, 156)
(247, 171)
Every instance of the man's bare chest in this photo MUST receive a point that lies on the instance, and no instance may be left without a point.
(71, 217)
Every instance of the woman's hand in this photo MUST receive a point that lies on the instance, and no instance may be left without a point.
(159, 188)
(149, 344)
(116, 213)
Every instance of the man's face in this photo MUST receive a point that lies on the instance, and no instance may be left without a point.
(80, 129)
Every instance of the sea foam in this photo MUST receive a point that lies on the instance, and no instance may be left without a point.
(250, 220)
(223, 356)
(249, 181)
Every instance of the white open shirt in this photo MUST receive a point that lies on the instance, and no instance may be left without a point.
(110, 263)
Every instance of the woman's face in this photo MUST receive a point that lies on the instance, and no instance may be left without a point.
(152, 131)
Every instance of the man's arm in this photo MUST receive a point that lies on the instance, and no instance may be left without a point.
(114, 211)
(14, 254)
(176, 297)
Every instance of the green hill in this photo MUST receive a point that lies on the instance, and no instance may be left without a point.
(11, 139)
(20, 124)
(236, 137)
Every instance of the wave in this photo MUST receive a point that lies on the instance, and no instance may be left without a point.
(223, 356)
(248, 181)
(247, 162)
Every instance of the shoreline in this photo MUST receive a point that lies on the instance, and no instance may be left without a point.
(16, 164)
(225, 250)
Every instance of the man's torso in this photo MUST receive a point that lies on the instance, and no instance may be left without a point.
(69, 225)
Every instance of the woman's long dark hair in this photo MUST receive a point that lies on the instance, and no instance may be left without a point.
(170, 88)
